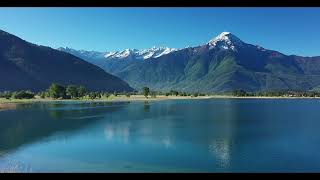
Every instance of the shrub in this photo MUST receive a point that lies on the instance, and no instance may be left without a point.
(23, 95)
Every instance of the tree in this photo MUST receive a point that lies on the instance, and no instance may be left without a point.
(23, 95)
(6, 94)
(106, 95)
(43, 94)
(98, 95)
(176, 93)
(239, 93)
(57, 91)
(94, 95)
(146, 91)
(72, 91)
(82, 91)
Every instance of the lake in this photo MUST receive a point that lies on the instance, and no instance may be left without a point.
(210, 135)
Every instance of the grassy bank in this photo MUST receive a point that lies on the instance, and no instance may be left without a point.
(113, 98)
(109, 99)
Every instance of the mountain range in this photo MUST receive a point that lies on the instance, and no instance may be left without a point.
(223, 64)
(27, 66)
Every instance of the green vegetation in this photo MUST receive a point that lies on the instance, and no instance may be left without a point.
(17, 95)
(72, 91)
(57, 91)
(146, 92)
(6, 95)
(23, 95)
(60, 92)
(276, 93)
(82, 91)
(95, 95)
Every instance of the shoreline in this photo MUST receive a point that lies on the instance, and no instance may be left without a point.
(11, 103)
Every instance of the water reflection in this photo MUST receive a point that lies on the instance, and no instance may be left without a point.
(121, 133)
(221, 145)
(169, 125)
(32, 122)
(200, 135)
(146, 106)
(136, 126)
(167, 142)
(7, 106)
(221, 149)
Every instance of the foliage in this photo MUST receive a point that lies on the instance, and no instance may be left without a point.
(72, 91)
(23, 95)
(57, 91)
(82, 91)
(5, 94)
(146, 91)
(172, 92)
(43, 94)
(106, 95)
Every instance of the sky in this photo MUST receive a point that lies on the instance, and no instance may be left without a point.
(288, 30)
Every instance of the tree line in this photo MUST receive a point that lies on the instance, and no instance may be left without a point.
(277, 93)
(146, 92)
(57, 91)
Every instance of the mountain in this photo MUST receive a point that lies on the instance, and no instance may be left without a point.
(225, 63)
(125, 54)
(26, 66)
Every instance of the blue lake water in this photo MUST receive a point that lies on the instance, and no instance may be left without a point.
(213, 135)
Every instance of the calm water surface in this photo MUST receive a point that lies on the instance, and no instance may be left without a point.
(217, 135)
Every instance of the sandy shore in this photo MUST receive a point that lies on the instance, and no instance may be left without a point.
(121, 98)
(11, 103)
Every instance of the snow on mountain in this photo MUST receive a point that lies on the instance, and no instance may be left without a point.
(155, 52)
(140, 54)
(144, 54)
(121, 54)
(225, 40)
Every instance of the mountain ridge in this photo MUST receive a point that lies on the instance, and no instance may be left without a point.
(224, 63)
(27, 66)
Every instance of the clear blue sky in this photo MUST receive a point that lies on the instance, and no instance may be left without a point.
(288, 30)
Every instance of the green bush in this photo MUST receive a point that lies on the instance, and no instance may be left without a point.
(6, 94)
(57, 91)
(23, 95)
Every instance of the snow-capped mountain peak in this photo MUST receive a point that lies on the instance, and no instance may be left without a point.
(143, 54)
(225, 40)
(153, 52)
